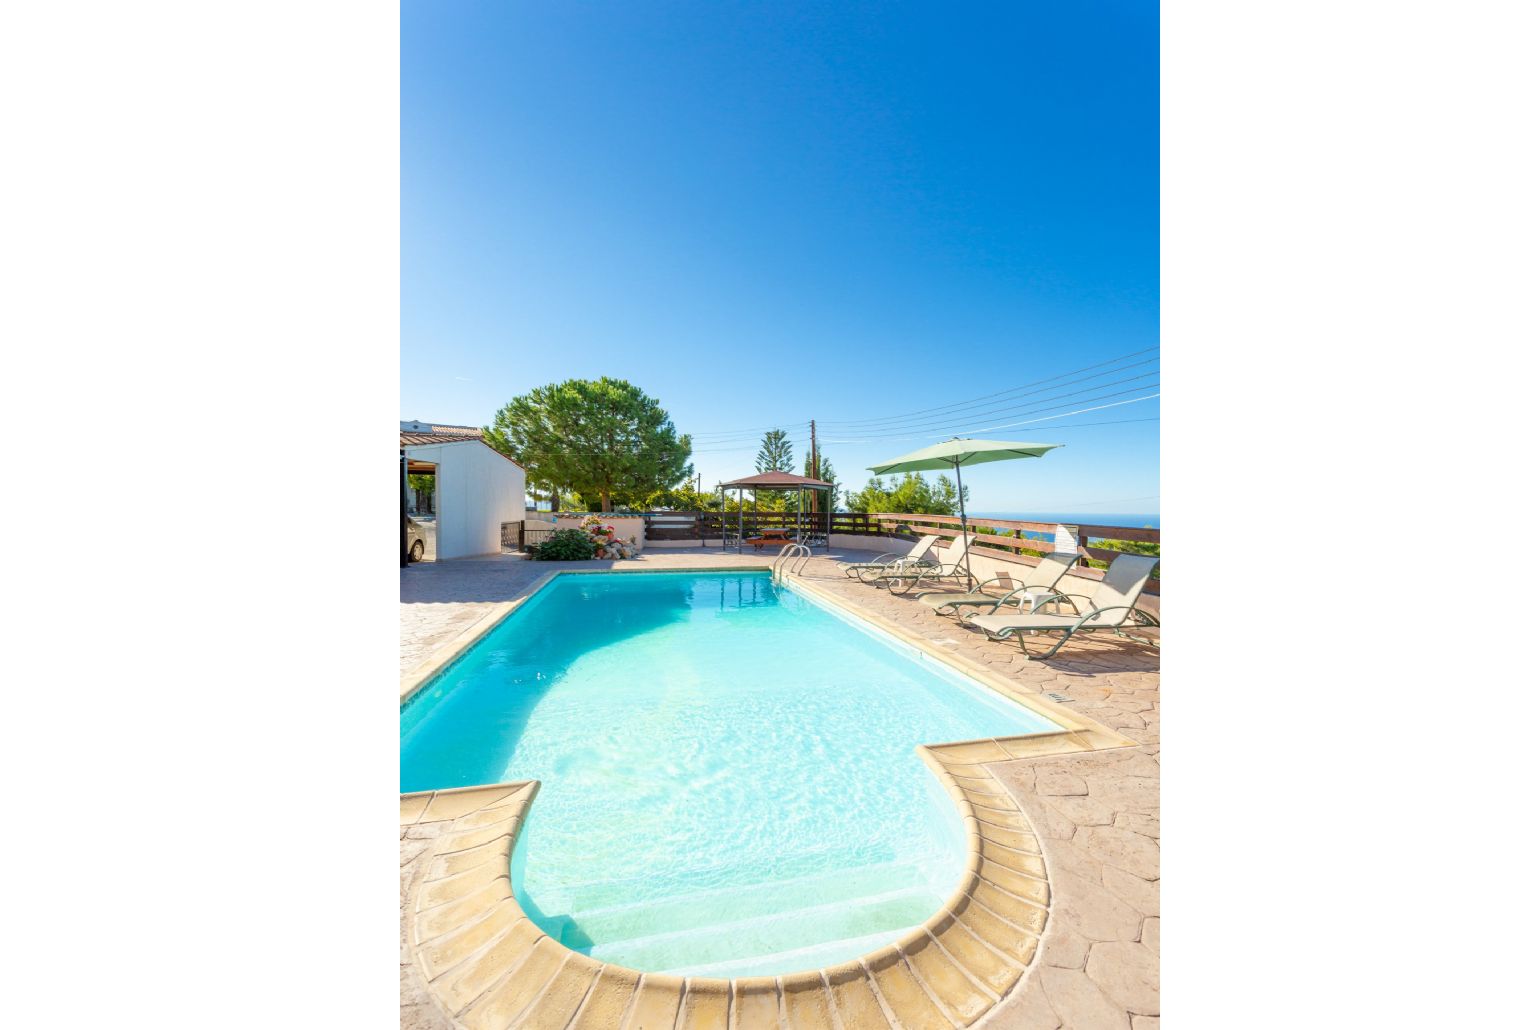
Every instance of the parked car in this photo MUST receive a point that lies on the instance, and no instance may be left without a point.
(416, 539)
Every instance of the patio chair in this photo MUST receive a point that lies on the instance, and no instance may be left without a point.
(1045, 575)
(1109, 607)
(951, 566)
(917, 553)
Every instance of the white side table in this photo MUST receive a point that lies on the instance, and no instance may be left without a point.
(1034, 597)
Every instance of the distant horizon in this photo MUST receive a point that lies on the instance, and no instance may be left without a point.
(1131, 520)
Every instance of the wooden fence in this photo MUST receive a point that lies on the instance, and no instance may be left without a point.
(1007, 539)
(1013, 540)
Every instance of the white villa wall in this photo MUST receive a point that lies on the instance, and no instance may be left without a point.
(477, 491)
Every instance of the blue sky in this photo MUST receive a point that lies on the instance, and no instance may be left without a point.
(763, 214)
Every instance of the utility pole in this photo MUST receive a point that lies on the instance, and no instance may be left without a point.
(812, 425)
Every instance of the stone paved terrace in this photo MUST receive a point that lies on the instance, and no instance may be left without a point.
(1096, 814)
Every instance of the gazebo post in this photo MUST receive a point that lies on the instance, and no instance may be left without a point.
(829, 519)
(740, 520)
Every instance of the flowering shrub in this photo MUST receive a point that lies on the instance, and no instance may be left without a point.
(565, 545)
(602, 537)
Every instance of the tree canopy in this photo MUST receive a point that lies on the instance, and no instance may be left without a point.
(603, 438)
(774, 453)
(912, 495)
(681, 498)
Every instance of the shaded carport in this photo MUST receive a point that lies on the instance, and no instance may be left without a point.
(476, 490)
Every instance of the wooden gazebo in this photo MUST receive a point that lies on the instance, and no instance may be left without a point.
(777, 481)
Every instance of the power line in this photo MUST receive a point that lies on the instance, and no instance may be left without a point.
(874, 423)
(1056, 429)
(963, 428)
(1014, 409)
(954, 425)
(1023, 390)
(1082, 411)
(861, 440)
(848, 441)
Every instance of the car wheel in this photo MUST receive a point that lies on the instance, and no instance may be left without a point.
(416, 551)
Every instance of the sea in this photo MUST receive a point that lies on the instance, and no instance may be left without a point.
(1151, 521)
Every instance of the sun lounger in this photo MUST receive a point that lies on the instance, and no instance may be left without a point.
(951, 567)
(1110, 606)
(866, 570)
(1041, 577)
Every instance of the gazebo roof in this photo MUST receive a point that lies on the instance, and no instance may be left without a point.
(778, 481)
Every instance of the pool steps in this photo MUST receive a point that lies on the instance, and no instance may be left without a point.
(608, 922)
(762, 937)
(814, 956)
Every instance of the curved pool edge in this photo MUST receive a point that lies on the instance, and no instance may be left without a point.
(487, 965)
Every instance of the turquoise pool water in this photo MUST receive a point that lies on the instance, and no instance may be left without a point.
(729, 783)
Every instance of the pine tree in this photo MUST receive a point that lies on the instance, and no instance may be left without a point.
(774, 453)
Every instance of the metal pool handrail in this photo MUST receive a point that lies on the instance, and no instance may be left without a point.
(800, 562)
(787, 558)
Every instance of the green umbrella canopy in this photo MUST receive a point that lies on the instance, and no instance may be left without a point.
(954, 454)
(960, 451)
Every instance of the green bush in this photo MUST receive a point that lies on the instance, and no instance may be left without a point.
(566, 545)
(1127, 546)
(912, 495)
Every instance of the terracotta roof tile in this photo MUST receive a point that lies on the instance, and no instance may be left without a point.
(417, 439)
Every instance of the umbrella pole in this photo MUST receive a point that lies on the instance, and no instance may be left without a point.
(962, 508)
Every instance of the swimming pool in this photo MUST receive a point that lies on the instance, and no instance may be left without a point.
(729, 783)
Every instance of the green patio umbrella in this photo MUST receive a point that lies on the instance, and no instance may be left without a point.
(954, 454)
